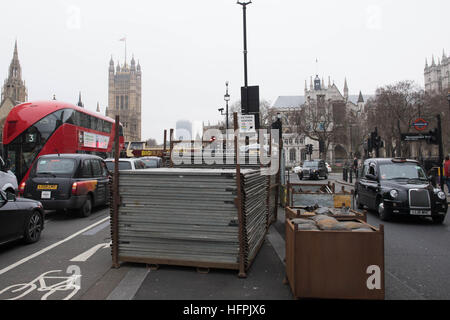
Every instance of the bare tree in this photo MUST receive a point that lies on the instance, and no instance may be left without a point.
(393, 111)
(315, 121)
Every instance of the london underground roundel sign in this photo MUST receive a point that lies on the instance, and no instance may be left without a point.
(420, 124)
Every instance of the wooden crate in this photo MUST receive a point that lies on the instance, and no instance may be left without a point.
(334, 264)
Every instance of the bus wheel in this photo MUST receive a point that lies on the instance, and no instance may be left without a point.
(86, 208)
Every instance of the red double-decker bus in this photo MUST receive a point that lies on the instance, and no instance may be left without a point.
(38, 128)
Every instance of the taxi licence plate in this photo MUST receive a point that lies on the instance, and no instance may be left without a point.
(47, 186)
(421, 212)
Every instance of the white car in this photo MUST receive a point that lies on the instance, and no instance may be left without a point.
(328, 167)
(297, 169)
(126, 164)
(8, 181)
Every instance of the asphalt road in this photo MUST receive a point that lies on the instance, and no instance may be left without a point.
(73, 260)
(44, 270)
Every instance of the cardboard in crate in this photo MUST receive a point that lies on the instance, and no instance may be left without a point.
(335, 264)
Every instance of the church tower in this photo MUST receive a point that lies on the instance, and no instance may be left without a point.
(14, 87)
(124, 97)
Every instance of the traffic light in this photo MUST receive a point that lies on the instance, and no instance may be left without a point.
(310, 148)
(433, 136)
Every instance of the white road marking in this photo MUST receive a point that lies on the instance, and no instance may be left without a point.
(89, 253)
(130, 284)
(34, 255)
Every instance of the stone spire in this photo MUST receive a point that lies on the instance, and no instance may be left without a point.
(14, 86)
(432, 61)
(80, 103)
(443, 55)
(111, 65)
(98, 107)
(360, 98)
(426, 63)
(345, 89)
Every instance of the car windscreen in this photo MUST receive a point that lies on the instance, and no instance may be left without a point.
(56, 167)
(402, 171)
(123, 165)
(311, 165)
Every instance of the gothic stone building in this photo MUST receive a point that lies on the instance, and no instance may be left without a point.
(437, 76)
(342, 104)
(14, 91)
(125, 98)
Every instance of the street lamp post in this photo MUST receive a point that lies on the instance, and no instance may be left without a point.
(244, 10)
(226, 97)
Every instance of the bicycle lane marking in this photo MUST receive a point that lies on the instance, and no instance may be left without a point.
(34, 255)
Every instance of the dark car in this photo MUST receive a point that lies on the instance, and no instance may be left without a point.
(76, 182)
(399, 187)
(313, 169)
(152, 162)
(20, 219)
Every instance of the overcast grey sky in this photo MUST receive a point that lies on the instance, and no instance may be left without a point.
(188, 49)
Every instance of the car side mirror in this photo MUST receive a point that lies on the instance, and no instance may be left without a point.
(371, 177)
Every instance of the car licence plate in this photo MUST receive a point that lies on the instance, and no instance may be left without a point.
(47, 186)
(421, 212)
(46, 194)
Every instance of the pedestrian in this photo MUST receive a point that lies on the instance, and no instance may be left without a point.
(355, 166)
(447, 172)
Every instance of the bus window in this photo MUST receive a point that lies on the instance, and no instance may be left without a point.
(85, 120)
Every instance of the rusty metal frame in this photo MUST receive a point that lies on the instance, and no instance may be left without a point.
(242, 269)
(116, 200)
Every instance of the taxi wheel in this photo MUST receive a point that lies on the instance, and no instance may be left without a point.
(86, 209)
(438, 219)
(358, 202)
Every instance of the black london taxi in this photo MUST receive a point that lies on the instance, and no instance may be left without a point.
(397, 186)
(314, 169)
(76, 182)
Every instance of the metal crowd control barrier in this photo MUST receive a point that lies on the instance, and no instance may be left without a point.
(207, 218)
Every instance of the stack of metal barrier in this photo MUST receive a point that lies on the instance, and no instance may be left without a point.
(189, 216)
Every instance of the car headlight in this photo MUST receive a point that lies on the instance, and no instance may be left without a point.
(394, 194)
(441, 195)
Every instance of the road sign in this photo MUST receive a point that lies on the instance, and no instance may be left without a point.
(420, 124)
(247, 123)
(415, 136)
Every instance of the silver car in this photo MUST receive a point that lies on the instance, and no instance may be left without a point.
(8, 181)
